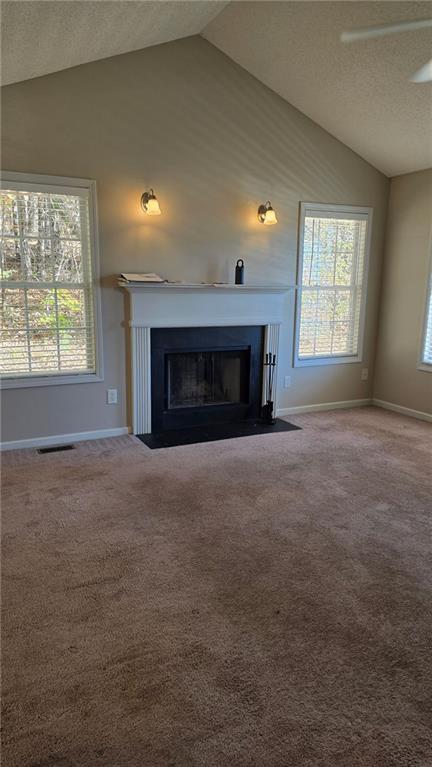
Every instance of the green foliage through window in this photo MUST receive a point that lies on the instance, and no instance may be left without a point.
(332, 272)
(46, 297)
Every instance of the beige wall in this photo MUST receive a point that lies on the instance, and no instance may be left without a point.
(214, 143)
(405, 277)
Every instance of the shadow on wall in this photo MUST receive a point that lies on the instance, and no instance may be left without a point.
(214, 143)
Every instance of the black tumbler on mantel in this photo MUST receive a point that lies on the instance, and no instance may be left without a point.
(239, 272)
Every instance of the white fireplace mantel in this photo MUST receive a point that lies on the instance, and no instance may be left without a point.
(156, 305)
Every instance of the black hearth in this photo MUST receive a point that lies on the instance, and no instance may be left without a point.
(202, 376)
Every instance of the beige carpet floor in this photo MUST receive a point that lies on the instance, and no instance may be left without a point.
(260, 602)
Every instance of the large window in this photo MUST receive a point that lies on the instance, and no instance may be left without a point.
(426, 351)
(49, 304)
(332, 272)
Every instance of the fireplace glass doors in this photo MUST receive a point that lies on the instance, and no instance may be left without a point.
(196, 379)
(205, 375)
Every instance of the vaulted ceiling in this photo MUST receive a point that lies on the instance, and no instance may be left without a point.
(43, 36)
(361, 92)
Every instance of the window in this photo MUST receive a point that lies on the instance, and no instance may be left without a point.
(332, 272)
(49, 305)
(426, 351)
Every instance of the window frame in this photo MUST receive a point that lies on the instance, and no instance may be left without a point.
(308, 208)
(421, 364)
(63, 185)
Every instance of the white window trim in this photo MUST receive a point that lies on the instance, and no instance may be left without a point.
(335, 211)
(30, 180)
(421, 364)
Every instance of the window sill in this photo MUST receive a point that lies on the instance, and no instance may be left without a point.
(315, 361)
(25, 383)
(425, 367)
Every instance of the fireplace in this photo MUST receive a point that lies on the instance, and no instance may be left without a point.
(205, 375)
(152, 308)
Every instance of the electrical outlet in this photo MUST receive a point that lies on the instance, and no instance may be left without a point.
(287, 382)
(364, 374)
(112, 396)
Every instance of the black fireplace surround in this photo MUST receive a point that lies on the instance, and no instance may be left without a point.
(205, 375)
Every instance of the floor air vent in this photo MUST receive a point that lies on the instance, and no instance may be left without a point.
(55, 449)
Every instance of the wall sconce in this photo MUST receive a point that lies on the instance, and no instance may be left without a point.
(149, 203)
(266, 214)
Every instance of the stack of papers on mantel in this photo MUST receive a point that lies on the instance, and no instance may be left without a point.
(149, 277)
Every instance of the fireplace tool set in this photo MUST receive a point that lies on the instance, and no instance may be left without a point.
(267, 409)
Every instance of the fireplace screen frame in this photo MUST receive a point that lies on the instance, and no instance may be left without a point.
(247, 340)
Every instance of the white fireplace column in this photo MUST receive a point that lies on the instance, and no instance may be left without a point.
(141, 380)
(169, 305)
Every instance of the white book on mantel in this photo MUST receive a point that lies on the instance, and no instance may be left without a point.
(149, 277)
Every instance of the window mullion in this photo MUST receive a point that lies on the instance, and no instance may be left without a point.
(44, 285)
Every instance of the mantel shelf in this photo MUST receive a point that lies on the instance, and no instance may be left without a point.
(213, 287)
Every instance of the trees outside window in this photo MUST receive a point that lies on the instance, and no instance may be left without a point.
(47, 264)
(332, 271)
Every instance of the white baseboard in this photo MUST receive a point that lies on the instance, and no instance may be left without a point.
(62, 439)
(323, 406)
(402, 410)
(81, 436)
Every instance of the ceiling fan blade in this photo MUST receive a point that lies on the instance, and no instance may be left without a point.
(424, 74)
(381, 30)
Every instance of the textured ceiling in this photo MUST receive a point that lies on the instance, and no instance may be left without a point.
(39, 37)
(358, 92)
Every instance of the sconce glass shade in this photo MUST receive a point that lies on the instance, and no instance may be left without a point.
(149, 204)
(270, 217)
(266, 214)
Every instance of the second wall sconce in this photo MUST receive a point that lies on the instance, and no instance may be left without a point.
(149, 203)
(266, 214)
